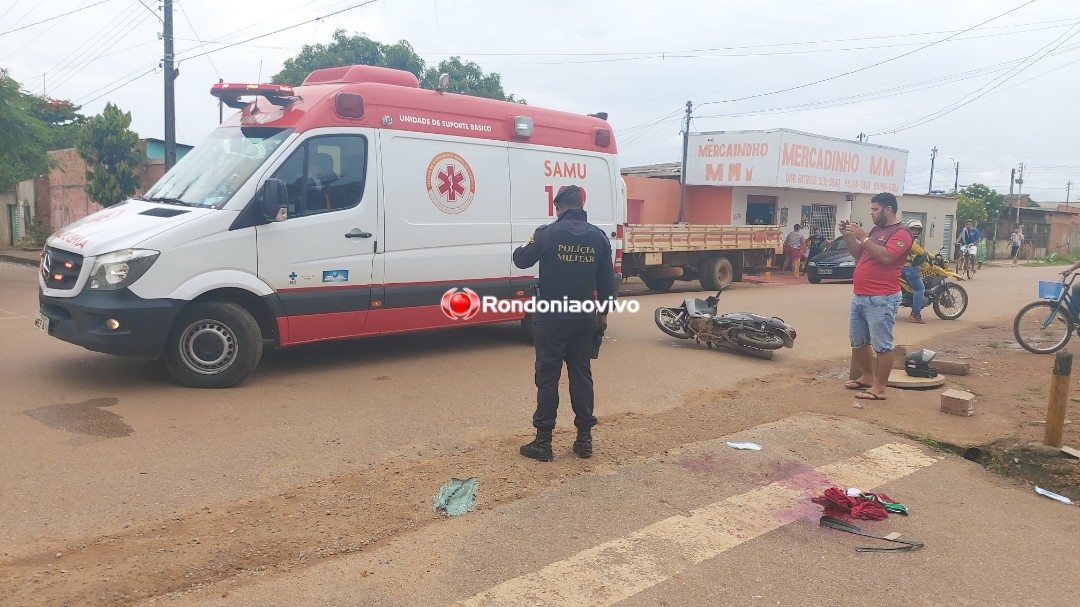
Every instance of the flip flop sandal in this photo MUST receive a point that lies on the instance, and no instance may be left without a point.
(865, 395)
(855, 385)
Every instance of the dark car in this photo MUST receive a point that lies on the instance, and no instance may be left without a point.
(834, 263)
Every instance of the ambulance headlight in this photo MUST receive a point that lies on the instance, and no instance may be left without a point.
(119, 269)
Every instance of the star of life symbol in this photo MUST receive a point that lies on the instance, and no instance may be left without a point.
(450, 183)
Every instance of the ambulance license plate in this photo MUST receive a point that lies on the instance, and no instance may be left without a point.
(42, 323)
(824, 271)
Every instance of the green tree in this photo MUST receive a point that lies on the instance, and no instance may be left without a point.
(112, 156)
(61, 118)
(23, 145)
(466, 78)
(969, 208)
(976, 196)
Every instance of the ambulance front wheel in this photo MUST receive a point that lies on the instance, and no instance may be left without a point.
(213, 345)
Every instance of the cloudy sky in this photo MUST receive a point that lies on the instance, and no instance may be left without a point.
(990, 83)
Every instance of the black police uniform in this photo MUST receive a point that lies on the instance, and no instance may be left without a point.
(575, 265)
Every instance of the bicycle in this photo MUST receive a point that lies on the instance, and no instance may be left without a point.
(966, 263)
(1044, 327)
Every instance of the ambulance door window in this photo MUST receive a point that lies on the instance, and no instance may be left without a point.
(325, 174)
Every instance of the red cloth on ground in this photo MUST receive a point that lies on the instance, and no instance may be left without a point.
(839, 504)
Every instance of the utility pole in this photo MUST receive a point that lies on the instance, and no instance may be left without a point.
(170, 88)
(933, 155)
(1019, 189)
(685, 149)
(1068, 233)
(956, 180)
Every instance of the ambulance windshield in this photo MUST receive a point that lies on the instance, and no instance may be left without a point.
(213, 171)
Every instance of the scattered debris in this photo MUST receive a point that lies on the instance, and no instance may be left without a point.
(749, 446)
(1052, 495)
(957, 402)
(857, 405)
(1074, 453)
(835, 523)
(456, 496)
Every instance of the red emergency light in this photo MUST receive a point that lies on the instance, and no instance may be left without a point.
(230, 92)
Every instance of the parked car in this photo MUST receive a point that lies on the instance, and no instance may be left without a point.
(834, 263)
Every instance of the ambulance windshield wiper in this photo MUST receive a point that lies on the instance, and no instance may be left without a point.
(176, 201)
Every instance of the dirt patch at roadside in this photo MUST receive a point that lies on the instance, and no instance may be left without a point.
(224, 544)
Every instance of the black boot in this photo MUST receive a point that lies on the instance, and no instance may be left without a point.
(583, 444)
(540, 448)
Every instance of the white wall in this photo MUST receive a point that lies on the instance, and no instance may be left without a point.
(935, 208)
(791, 199)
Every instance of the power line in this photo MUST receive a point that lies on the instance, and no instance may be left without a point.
(879, 63)
(891, 92)
(192, 26)
(278, 31)
(60, 16)
(957, 104)
(679, 53)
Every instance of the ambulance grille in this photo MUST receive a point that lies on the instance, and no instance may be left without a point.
(60, 269)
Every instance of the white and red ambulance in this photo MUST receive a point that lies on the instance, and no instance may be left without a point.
(345, 207)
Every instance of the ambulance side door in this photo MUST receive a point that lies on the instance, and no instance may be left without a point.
(321, 259)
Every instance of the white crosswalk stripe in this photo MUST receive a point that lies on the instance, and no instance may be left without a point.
(616, 570)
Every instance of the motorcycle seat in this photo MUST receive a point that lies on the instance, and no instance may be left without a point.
(697, 308)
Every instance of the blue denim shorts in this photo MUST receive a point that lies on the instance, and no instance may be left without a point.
(871, 321)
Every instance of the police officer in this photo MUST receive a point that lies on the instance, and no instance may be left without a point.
(575, 266)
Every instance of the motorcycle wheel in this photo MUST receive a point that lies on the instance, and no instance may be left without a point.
(673, 321)
(951, 302)
(758, 339)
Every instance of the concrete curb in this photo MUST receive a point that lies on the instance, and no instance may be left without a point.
(20, 260)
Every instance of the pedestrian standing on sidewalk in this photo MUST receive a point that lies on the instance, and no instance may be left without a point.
(876, 299)
(575, 262)
(793, 249)
(1017, 240)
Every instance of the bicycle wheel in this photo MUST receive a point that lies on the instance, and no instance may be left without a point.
(1042, 328)
(969, 267)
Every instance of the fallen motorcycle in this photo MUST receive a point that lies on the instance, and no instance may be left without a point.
(697, 319)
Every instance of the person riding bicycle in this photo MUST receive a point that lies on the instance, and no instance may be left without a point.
(969, 242)
(1075, 289)
(912, 273)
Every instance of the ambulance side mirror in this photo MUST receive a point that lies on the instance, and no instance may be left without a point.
(274, 198)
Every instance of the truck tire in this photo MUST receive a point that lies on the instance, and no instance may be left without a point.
(716, 273)
(659, 284)
(213, 345)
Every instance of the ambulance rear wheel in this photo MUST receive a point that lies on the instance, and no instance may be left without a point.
(213, 345)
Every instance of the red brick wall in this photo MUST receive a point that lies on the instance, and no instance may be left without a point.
(67, 201)
(61, 196)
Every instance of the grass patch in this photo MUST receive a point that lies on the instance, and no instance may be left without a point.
(995, 345)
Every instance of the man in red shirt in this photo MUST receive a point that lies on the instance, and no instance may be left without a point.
(881, 255)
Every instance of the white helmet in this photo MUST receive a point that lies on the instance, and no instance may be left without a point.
(914, 224)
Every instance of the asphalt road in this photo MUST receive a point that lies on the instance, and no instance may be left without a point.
(95, 444)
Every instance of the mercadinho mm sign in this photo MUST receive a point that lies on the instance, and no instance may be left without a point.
(781, 158)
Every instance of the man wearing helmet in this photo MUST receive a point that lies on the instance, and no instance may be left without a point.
(916, 256)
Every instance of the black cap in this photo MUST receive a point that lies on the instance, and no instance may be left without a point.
(570, 196)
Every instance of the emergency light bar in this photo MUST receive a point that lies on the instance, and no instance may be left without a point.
(230, 93)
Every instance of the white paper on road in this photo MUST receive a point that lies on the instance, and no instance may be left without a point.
(1052, 495)
(750, 446)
